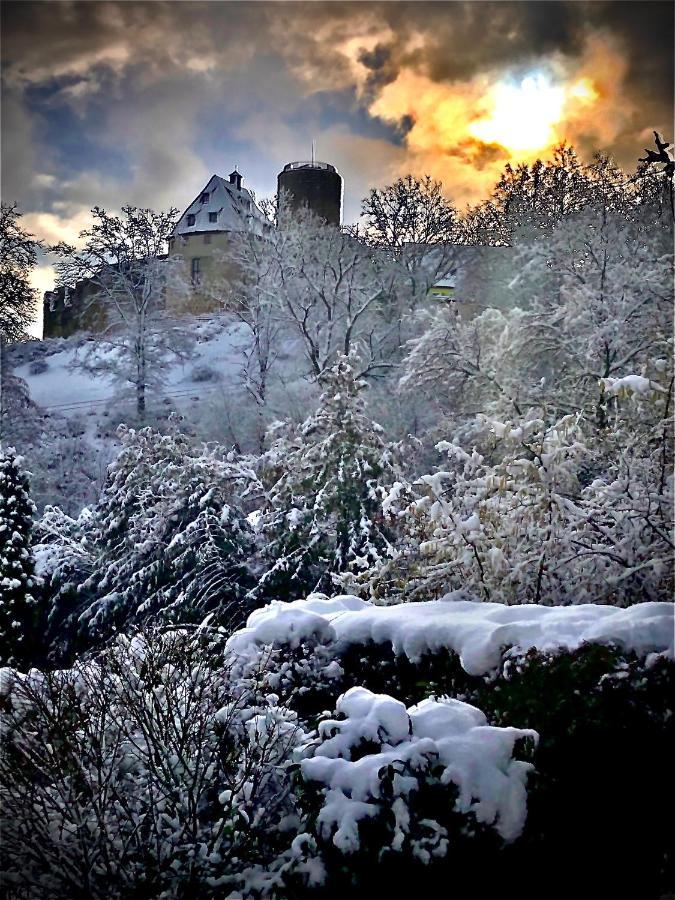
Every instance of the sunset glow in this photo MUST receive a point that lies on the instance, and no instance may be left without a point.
(524, 116)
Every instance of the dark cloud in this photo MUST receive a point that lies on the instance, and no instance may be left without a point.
(172, 88)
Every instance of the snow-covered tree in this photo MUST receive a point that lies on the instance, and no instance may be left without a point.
(596, 295)
(168, 538)
(248, 293)
(611, 312)
(128, 276)
(326, 480)
(18, 583)
(18, 310)
(328, 290)
(536, 526)
(466, 366)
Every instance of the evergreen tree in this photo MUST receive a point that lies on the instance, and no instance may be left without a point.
(168, 539)
(324, 522)
(18, 602)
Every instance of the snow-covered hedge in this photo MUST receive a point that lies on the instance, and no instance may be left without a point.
(477, 632)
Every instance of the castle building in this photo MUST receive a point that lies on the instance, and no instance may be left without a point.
(202, 234)
(201, 237)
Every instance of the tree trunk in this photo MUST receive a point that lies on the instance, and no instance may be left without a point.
(140, 392)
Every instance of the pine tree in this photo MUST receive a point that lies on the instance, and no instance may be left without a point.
(168, 538)
(327, 482)
(18, 602)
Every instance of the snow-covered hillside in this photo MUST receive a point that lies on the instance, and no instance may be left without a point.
(62, 386)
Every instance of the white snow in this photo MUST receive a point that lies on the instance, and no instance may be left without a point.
(477, 632)
(220, 344)
(631, 384)
(474, 756)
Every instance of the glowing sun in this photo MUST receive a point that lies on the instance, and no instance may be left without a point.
(523, 117)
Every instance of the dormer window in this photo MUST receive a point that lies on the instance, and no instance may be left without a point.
(190, 220)
(213, 217)
(204, 198)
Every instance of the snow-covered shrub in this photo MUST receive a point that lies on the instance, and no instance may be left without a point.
(204, 373)
(38, 367)
(326, 482)
(144, 771)
(377, 753)
(556, 519)
(168, 537)
(595, 682)
(19, 586)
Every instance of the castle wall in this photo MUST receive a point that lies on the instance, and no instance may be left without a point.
(215, 271)
(68, 311)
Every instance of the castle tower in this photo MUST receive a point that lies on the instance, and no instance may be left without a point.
(315, 185)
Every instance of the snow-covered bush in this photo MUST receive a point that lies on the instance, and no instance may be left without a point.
(38, 367)
(595, 683)
(204, 373)
(144, 771)
(377, 753)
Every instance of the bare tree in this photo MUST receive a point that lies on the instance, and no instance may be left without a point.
(416, 228)
(127, 274)
(409, 211)
(658, 167)
(322, 285)
(18, 256)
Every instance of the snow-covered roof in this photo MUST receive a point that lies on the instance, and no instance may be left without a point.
(221, 206)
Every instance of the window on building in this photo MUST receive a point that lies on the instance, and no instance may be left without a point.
(213, 217)
(195, 269)
(191, 219)
(204, 198)
(207, 238)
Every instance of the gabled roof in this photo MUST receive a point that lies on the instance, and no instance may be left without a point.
(235, 210)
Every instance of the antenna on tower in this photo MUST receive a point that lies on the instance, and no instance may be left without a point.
(313, 144)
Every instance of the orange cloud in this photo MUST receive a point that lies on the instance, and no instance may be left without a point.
(463, 132)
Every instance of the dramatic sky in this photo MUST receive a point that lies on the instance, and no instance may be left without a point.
(140, 102)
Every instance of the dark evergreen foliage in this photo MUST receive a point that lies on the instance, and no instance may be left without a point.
(18, 585)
